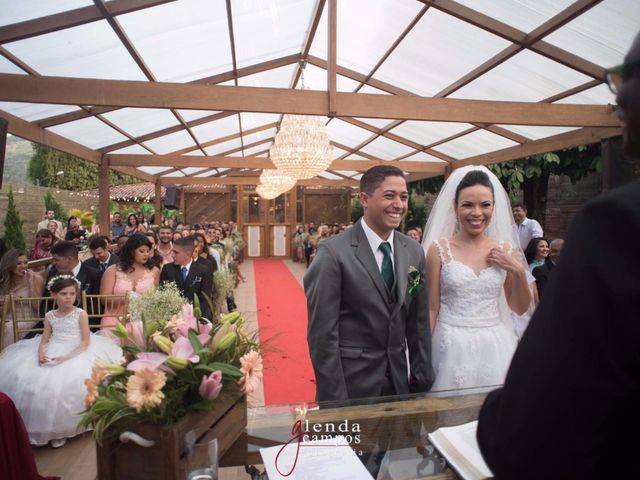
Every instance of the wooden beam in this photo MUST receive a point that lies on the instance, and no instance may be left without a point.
(81, 91)
(253, 181)
(181, 161)
(331, 54)
(71, 18)
(584, 136)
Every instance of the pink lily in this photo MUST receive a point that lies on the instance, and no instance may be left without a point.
(182, 348)
(152, 361)
(211, 385)
(137, 333)
(188, 321)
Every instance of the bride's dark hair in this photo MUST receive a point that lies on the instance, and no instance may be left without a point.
(474, 177)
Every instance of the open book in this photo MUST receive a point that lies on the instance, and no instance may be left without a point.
(460, 447)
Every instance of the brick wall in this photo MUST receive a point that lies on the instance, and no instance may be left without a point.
(564, 199)
(30, 204)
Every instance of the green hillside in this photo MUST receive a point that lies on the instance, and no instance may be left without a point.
(16, 160)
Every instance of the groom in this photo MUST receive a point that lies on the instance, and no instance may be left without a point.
(362, 317)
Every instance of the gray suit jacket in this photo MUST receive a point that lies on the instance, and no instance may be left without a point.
(356, 335)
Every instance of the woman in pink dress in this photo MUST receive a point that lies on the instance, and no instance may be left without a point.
(133, 273)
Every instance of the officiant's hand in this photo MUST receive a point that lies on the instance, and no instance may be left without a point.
(500, 258)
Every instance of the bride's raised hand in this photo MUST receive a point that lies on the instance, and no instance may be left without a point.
(500, 258)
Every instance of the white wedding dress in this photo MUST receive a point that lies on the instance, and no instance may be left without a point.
(51, 398)
(473, 341)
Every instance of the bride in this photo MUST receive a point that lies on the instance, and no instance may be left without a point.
(476, 277)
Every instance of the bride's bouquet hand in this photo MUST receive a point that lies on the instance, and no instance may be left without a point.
(500, 258)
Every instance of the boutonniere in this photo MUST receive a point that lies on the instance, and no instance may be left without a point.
(196, 280)
(415, 280)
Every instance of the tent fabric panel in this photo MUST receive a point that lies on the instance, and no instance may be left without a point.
(386, 149)
(90, 132)
(35, 111)
(170, 143)
(475, 143)
(139, 121)
(426, 133)
(14, 11)
(217, 129)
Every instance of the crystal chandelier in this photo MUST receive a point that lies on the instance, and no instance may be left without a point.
(302, 147)
(277, 180)
(266, 192)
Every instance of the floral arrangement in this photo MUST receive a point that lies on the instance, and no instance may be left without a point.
(157, 304)
(223, 283)
(170, 368)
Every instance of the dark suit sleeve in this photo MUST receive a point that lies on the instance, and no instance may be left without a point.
(165, 274)
(540, 274)
(323, 285)
(573, 388)
(207, 289)
(419, 336)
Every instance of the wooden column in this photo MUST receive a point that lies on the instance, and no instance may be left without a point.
(103, 196)
(293, 205)
(183, 205)
(239, 209)
(157, 203)
(447, 171)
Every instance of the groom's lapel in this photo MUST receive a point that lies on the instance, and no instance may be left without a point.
(368, 261)
(401, 260)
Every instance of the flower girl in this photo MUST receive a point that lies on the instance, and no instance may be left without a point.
(45, 375)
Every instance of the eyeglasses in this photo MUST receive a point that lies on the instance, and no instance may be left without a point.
(616, 76)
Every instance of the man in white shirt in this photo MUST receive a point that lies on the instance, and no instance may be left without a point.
(50, 216)
(526, 228)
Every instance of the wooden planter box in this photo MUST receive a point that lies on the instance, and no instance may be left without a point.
(166, 459)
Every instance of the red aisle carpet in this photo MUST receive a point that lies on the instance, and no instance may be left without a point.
(282, 317)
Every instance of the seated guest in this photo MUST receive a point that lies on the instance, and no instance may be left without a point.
(542, 274)
(191, 278)
(64, 257)
(537, 252)
(74, 233)
(117, 227)
(133, 226)
(52, 226)
(50, 216)
(155, 258)
(569, 406)
(120, 241)
(134, 272)
(102, 257)
(17, 280)
(201, 253)
(42, 248)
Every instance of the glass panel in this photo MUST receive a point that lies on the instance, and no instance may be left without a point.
(216, 129)
(602, 35)
(170, 143)
(153, 170)
(258, 148)
(386, 149)
(14, 11)
(315, 78)
(338, 152)
(35, 111)
(423, 63)
(89, 132)
(87, 51)
(525, 77)
(373, 90)
(195, 153)
(181, 41)
(524, 16)
(220, 148)
(9, 67)
(131, 150)
(267, 30)
(208, 173)
(191, 170)
(376, 122)
(252, 120)
(276, 78)
(475, 143)
(348, 173)
(423, 157)
(256, 137)
(346, 133)
(139, 121)
(537, 132)
(600, 95)
(426, 133)
(330, 176)
(366, 30)
(189, 115)
(253, 208)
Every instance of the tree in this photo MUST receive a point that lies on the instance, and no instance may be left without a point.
(531, 174)
(13, 236)
(356, 209)
(52, 168)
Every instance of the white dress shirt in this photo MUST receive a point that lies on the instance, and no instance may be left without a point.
(374, 243)
(528, 229)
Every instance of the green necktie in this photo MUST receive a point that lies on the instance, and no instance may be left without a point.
(387, 266)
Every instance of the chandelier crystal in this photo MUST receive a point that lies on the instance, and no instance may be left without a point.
(277, 180)
(268, 193)
(301, 147)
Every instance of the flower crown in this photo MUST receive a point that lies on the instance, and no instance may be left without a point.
(57, 278)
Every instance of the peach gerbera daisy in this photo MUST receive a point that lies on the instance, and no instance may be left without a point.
(251, 366)
(144, 389)
(97, 376)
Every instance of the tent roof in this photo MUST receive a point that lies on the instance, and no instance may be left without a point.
(192, 91)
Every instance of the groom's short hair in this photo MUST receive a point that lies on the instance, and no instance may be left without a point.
(373, 177)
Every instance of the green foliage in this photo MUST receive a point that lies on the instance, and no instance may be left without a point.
(576, 163)
(147, 209)
(417, 210)
(356, 209)
(13, 236)
(79, 174)
(50, 203)
(86, 217)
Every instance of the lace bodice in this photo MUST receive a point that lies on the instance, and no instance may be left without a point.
(65, 329)
(124, 284)
(467, 299)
